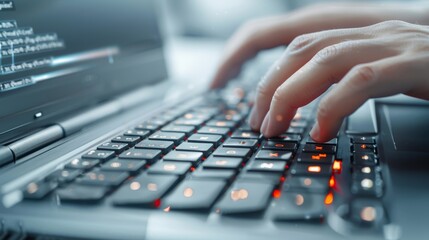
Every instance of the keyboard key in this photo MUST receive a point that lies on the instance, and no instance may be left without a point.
(197, 115)
(116, 147)
(219, 123)
(205, 148)
(141, 154)
(298, 207)
(168, 136)
(273, 155)
(103, 178)
(367, 184)
(273, 178)
(295, 130)
(187, 130)
(245, 198)
(333, 141)
(222, 163)
(144, 190)
(226, 175)
(188, 122)
(319, 148)
(246, 134)
(39, 189)
(316, 158)
(363, 140)
(176, 168)
(306, 184)
(282, 146)
(364, 159)
(232, 152)
(137, 133)
(302, 169)
(81, 193)
(229, 117)
(99, 154)
(214, 130)
(246, 143)
(206, 138)
(123, 165)
(163, 146)
(183, 156)
(299, 124)
(84, 164)
(267, 166)
(287, 138)
(130, 140)
(147, 126)
(64, 175)
(364, 148)
(195, 194)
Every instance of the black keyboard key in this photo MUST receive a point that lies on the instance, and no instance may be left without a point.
(319, 148)
(183, 156)
(81, 193)
(298, 207)
(39, 189)
(168, 136)
(84, 164)
(274, 155)
(205, 148)
(232, 152)
(103, 178)
(316, 158)
(287, 138)
(187, 130)
(147, 126)
(333, 141)
(282, 146)
(364, 159)
(267, 166)
(163, 146)
(214, 130)
(195, 194)
(99, 154)
(144, 190)
(222, 163)
(130, 140)
(273, 178)
(226, 175)
(64, 175)
(137, 133)
(246, 134)
(175, 168)
(367, 184)
(295, 130)
(364, 148)
(206, 138)
(244, 198)
(219, 123)
(307, 184)
(363, 140)
(302, 169)
(141, 154)
(123, 165)
(116, 147)
(246, 143)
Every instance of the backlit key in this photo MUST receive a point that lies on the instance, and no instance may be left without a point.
(302, 169)
(232, 152)
(274, 155)
(319, 148)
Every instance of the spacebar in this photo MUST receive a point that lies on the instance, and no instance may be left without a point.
(362, 122)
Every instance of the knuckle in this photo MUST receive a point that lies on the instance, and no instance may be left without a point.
(300, 43)
(363, 75)
(278, 96)
(262, 88)
(327, 54)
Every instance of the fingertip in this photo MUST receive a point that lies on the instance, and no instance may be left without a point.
(253, 121)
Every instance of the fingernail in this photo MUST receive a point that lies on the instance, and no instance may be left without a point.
(315, 132)
(254, 119)
(265, 123)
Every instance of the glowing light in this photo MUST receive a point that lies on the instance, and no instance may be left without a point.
(135, 186)
(307, 182)
(152, 187)
(274, 154)
(314, 169)
(337, 166)
(363, 146)
(282, 179)
(277, 193)
(332, 182)
(240, 194)
(367, 183)
(366, 170)
(221, 162)
(231, 152)
(368, 214)
(299, 199)
(221, 124)
(157, 203)
(167, 209)
(319, 148)
(245, 134)
(329, 199)
(170, 167)
(266, 165)
(188, 192)
(365, 157)
(115, 164)
(32, 188)
(279, 145)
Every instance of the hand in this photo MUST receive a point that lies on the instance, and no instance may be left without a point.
(295, 63)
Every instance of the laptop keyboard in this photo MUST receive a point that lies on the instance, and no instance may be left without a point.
(206, 158)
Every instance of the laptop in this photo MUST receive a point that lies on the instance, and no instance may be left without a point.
(94, 147)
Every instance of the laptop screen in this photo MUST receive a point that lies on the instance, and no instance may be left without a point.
(57, 56)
